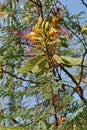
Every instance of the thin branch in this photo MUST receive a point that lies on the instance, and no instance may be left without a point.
(39, 6)
(69, 74)
(84, 3)
(20, 78)
(34, 2)
(53, 103)
(77, 37)
(84, 66)
(77, 89)
(41, 10)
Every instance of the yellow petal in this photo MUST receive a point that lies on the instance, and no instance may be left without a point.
(55, 19)
(1, 14)
(31, 34)
(53, 31)
(37, 31)
(35, 38)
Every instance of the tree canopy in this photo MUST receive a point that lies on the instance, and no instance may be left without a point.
(43, 66)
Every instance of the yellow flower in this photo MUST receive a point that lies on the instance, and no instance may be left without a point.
(55, 23)
(31, 34)
(53, 31)
(34, 36)
(1, 14)
(55, 19)
(37, 31)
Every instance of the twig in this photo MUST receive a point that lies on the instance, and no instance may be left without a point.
(15, 76)
(34, 2)
(69, 74)
(84, 3)
(53, 103)
(77, 89)
(39, 5)
(41, 10)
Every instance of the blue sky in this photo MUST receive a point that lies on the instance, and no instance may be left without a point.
(75, 6)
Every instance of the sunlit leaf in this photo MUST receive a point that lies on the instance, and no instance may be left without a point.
(71, 60)
(1, 14)
(84, 29)
(41, 67)
(57, 59)
(29, 65)
(42, 126)
(12, 128)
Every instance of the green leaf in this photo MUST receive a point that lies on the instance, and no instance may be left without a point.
(84, 29)
(79, 14)
(36, 65)
(40, 72)
(42, 63)
(57, 59)
(1, 60)
(70, 61)
(41, 126)
(40, 20)
(31, 64)
(35, 69)
(41, 67)
(12, 128)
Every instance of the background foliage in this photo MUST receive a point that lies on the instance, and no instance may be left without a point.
(43, 66)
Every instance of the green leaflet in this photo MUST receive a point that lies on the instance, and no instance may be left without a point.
(29, 65)
(78, 118)
(1, 60)
(41, 126)
(40, 20)
(35, 69)
(40, 68)
(71, 61)
(81, 110)
(67, 61)
(12, 128)
(36, 65)
(57, 59)
(84, 29)
(1, 75)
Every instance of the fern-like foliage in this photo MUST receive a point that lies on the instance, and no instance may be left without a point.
(77, 121)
